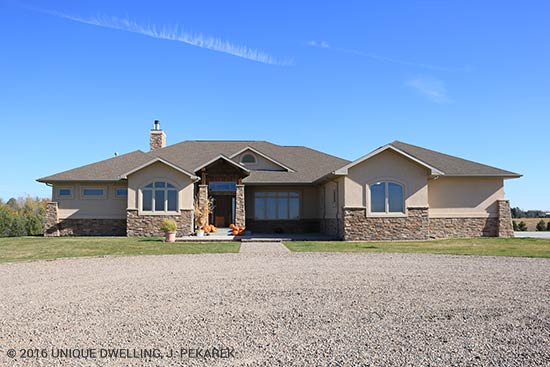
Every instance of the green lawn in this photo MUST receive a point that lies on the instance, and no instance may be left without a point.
(527, 247)
(40, 248)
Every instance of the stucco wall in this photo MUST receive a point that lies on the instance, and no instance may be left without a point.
(464, 197)
(261, 162)
(160, 172)
(309, 203)
(387, 165)
(78, 207)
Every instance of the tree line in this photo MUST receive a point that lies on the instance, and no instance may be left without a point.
(22, 217)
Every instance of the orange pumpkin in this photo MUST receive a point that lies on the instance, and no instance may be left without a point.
(206, 228)
(232, 226)
(235, 232)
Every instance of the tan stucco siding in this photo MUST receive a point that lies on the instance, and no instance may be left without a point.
(386, 166)
(309, 199)
(261, 162)
(79, 207)
(160, 172)
(331, 196)
(464, 196)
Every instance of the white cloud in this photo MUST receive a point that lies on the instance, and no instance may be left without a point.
(431, 88)
(320, 44)
(173, 34)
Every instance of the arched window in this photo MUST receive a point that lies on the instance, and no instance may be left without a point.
(387, 197)
(248, 158)
(159, 197)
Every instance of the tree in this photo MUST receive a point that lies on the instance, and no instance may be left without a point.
(522, 226)
(515, 225)
(541, 226)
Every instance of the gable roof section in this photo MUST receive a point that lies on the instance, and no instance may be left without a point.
(107, 170)
(307, 164)
(262, 155)
(439, 163)
(155, 160)
(221, 156)
(344, 170)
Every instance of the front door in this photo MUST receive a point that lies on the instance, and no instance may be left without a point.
(223, 211)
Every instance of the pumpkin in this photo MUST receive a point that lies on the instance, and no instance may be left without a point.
(206, 228)
(213, 228)
(235, 232)
(232, 226)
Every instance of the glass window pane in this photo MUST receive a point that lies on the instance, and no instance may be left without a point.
(64, 192)
(170, 186)
(378, 197)
(147, 201)
(159, 200)
(259, 208)
(160, 184)
(271, 208)
(122, 192)
(248, 158)
(294, 208)
(93, 192)
(260, 194)
(172, 200)
(271, 194)
(149, 186)
(395, 198)
(282, 208)
(294, 194)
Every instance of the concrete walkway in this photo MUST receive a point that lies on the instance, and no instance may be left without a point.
(532, 234)
(263, 247)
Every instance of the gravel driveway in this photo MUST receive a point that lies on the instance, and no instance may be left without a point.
(282, 309)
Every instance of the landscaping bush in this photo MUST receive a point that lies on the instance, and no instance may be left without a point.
(522, 226)
(541, 226)
(22, 217)
(515, 225)
(548, 226)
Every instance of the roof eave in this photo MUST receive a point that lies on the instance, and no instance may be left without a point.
(161, 160)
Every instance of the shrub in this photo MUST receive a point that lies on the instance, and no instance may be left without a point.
(515, 225)
(548, 226)
(541, 226)
(168, 225)
(522, 226)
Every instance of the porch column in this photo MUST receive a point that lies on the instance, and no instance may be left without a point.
(504, 228)
(240, 215)
(203, 196)
(51, 220)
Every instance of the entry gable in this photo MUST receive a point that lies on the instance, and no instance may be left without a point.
(268, 164)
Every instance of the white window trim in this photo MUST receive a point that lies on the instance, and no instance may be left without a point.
(255, 163)
(116, 196)
(58, 189)
(386, 213)
(154, 212)
(93, 197)
(278, 191)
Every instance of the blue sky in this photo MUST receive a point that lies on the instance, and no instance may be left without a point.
(84, 79)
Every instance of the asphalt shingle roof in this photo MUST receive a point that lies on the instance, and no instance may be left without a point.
(309, 165)
(451, 165)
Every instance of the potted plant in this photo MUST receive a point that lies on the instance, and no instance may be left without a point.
(169, 227)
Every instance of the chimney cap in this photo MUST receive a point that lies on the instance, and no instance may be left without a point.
(156, 125)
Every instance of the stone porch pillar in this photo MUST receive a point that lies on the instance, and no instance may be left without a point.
(505, 228)
(203, 197)
(51, 220)
(240, 214)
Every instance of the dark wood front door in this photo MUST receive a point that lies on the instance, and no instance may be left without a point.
(223, 212)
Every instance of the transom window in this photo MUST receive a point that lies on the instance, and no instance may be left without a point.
(65, 192)
(93, 193)
(277, 205)
(248, 158)
(386, 197)
(159, 196)
(121, 193)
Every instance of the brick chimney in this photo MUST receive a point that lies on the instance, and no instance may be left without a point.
(157, 137)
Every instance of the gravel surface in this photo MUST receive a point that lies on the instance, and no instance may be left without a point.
(281, 309)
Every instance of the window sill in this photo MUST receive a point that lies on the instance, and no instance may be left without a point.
(158, 213)
(387, 215)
